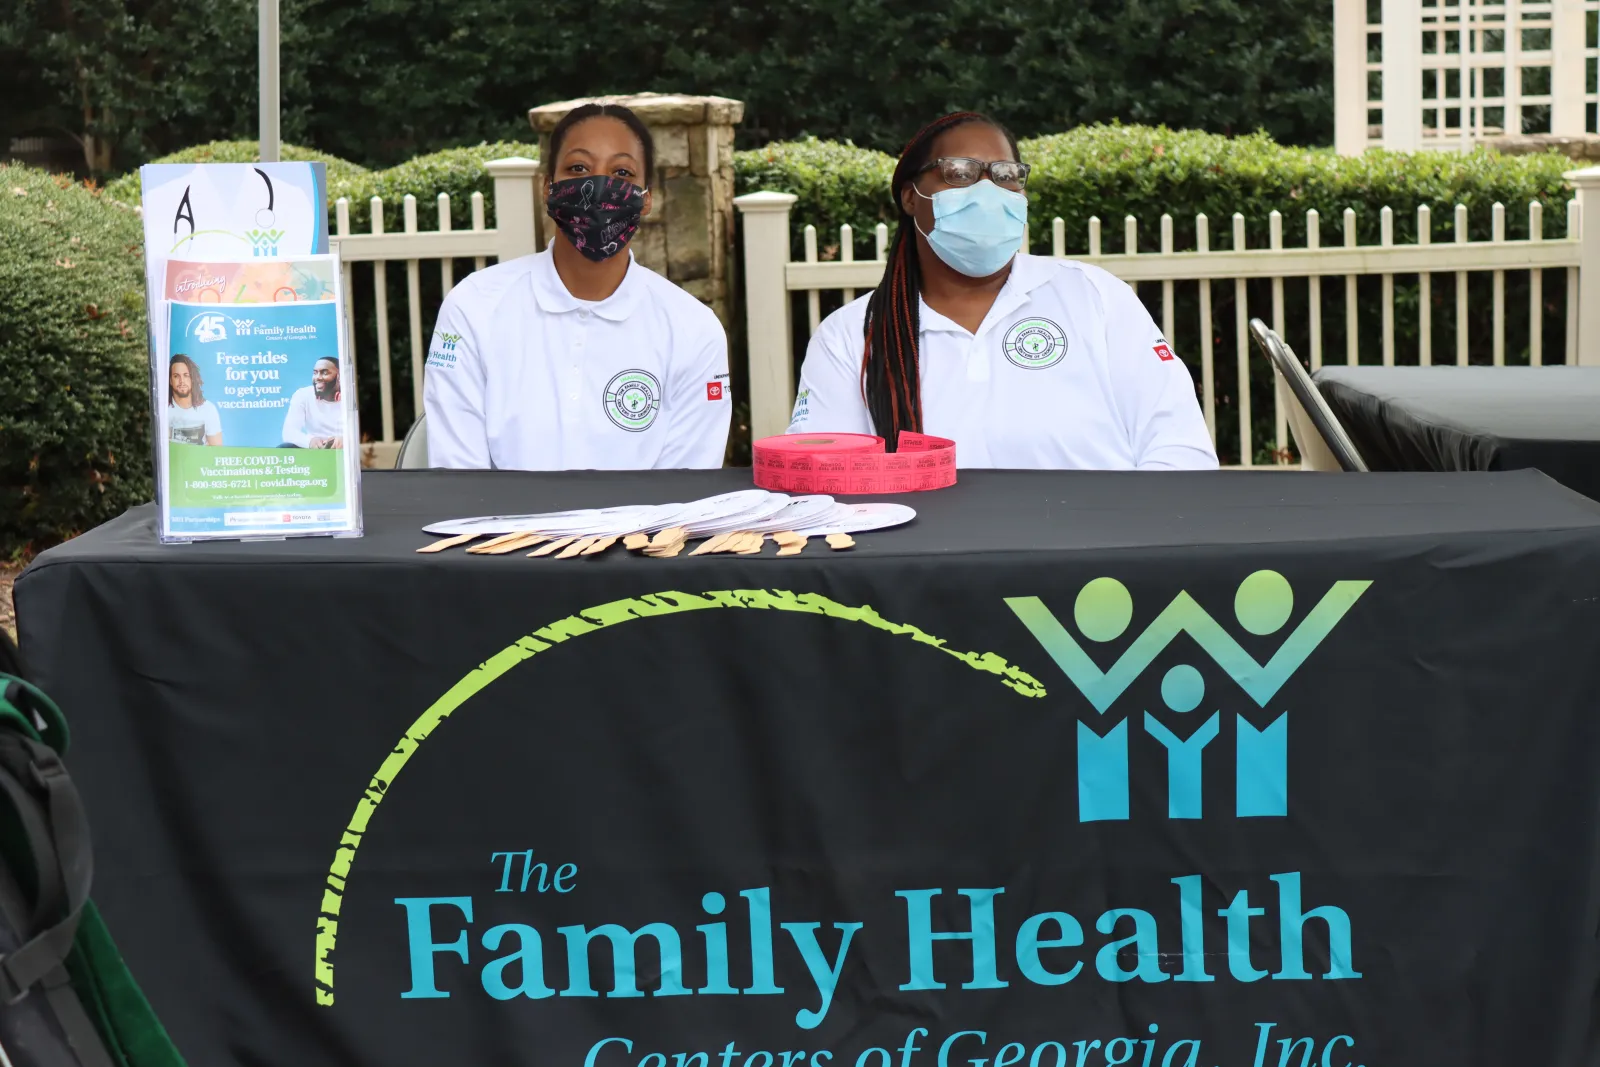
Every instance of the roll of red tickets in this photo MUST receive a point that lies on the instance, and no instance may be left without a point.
(852, 463)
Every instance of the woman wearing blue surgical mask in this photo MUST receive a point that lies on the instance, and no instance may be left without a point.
(580, 357)
(1024, 361)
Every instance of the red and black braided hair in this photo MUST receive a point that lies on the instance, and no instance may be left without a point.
(891, 380)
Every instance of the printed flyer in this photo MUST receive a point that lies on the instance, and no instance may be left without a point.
(258, 430)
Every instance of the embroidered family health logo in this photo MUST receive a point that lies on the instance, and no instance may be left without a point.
(633, 400)
(444, 356)
(1034, 344)
(1102, 612)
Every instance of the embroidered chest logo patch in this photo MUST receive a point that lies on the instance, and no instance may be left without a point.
(633, 400)
(1034, 344)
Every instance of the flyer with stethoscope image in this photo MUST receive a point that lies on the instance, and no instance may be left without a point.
(252, 390)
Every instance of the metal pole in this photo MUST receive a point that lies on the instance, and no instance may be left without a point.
(269, 80)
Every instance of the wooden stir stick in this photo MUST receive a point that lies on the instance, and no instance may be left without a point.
(448, 542)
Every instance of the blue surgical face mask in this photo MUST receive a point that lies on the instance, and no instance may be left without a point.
(976, 228)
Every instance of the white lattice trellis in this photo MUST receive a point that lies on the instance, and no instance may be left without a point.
(1412, 74)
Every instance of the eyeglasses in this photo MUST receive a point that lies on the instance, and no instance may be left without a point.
(960, 171)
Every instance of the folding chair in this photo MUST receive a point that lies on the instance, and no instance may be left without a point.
(1323, 444)
(413, 454)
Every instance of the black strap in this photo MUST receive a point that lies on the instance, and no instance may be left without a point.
(52, 818)
(75, 1022)
(50, 895)
(58, 835)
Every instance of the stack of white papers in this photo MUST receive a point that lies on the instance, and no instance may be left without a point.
(753, 510)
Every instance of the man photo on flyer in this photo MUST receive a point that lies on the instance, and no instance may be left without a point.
(316, 414)
(191, 418)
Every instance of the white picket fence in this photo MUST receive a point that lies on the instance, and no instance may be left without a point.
(771, 275)
(512, 236)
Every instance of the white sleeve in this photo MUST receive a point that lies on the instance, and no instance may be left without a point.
(294, 423)
(829, 399)
(699, 408)
(1153, 387)
(453, 393)
(213, 419)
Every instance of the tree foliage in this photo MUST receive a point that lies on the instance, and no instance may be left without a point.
(1112, 171)
(380, 81)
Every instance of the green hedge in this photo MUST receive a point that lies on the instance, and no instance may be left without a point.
(1110, 171)
(1113, 171)
(836, 183)
(1145, 171)
(457, 171)
(74, 400)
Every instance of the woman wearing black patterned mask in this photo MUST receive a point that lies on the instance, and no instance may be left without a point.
(596, 192)
(579, 357)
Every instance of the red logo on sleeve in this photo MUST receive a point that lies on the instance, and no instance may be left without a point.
(1164, 352)
(713, 390)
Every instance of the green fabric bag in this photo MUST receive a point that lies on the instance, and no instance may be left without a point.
(128, 1029)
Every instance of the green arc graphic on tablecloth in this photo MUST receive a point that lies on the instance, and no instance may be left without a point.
(587, 621)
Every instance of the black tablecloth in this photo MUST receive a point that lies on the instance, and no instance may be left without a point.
(1472, 419)
(1209, 761)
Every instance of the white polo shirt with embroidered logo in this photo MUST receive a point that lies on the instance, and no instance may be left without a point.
(521, 374)
(1067, 371)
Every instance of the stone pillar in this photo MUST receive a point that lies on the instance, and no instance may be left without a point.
(688, 235)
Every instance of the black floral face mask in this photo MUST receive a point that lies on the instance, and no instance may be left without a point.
(598, 213)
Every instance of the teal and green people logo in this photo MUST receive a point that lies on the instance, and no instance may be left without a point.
(445, 354)
(1103, 611)
(264, 242)
(633, 400)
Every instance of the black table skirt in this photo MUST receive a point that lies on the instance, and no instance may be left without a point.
(1208, 761)
(1472, 419)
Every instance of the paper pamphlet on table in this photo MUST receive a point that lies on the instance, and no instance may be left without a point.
(752, 510)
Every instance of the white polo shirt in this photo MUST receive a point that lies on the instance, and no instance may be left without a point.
(1067, 370)
(521, 374)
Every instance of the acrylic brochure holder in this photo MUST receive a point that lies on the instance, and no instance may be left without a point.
(253, 406)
